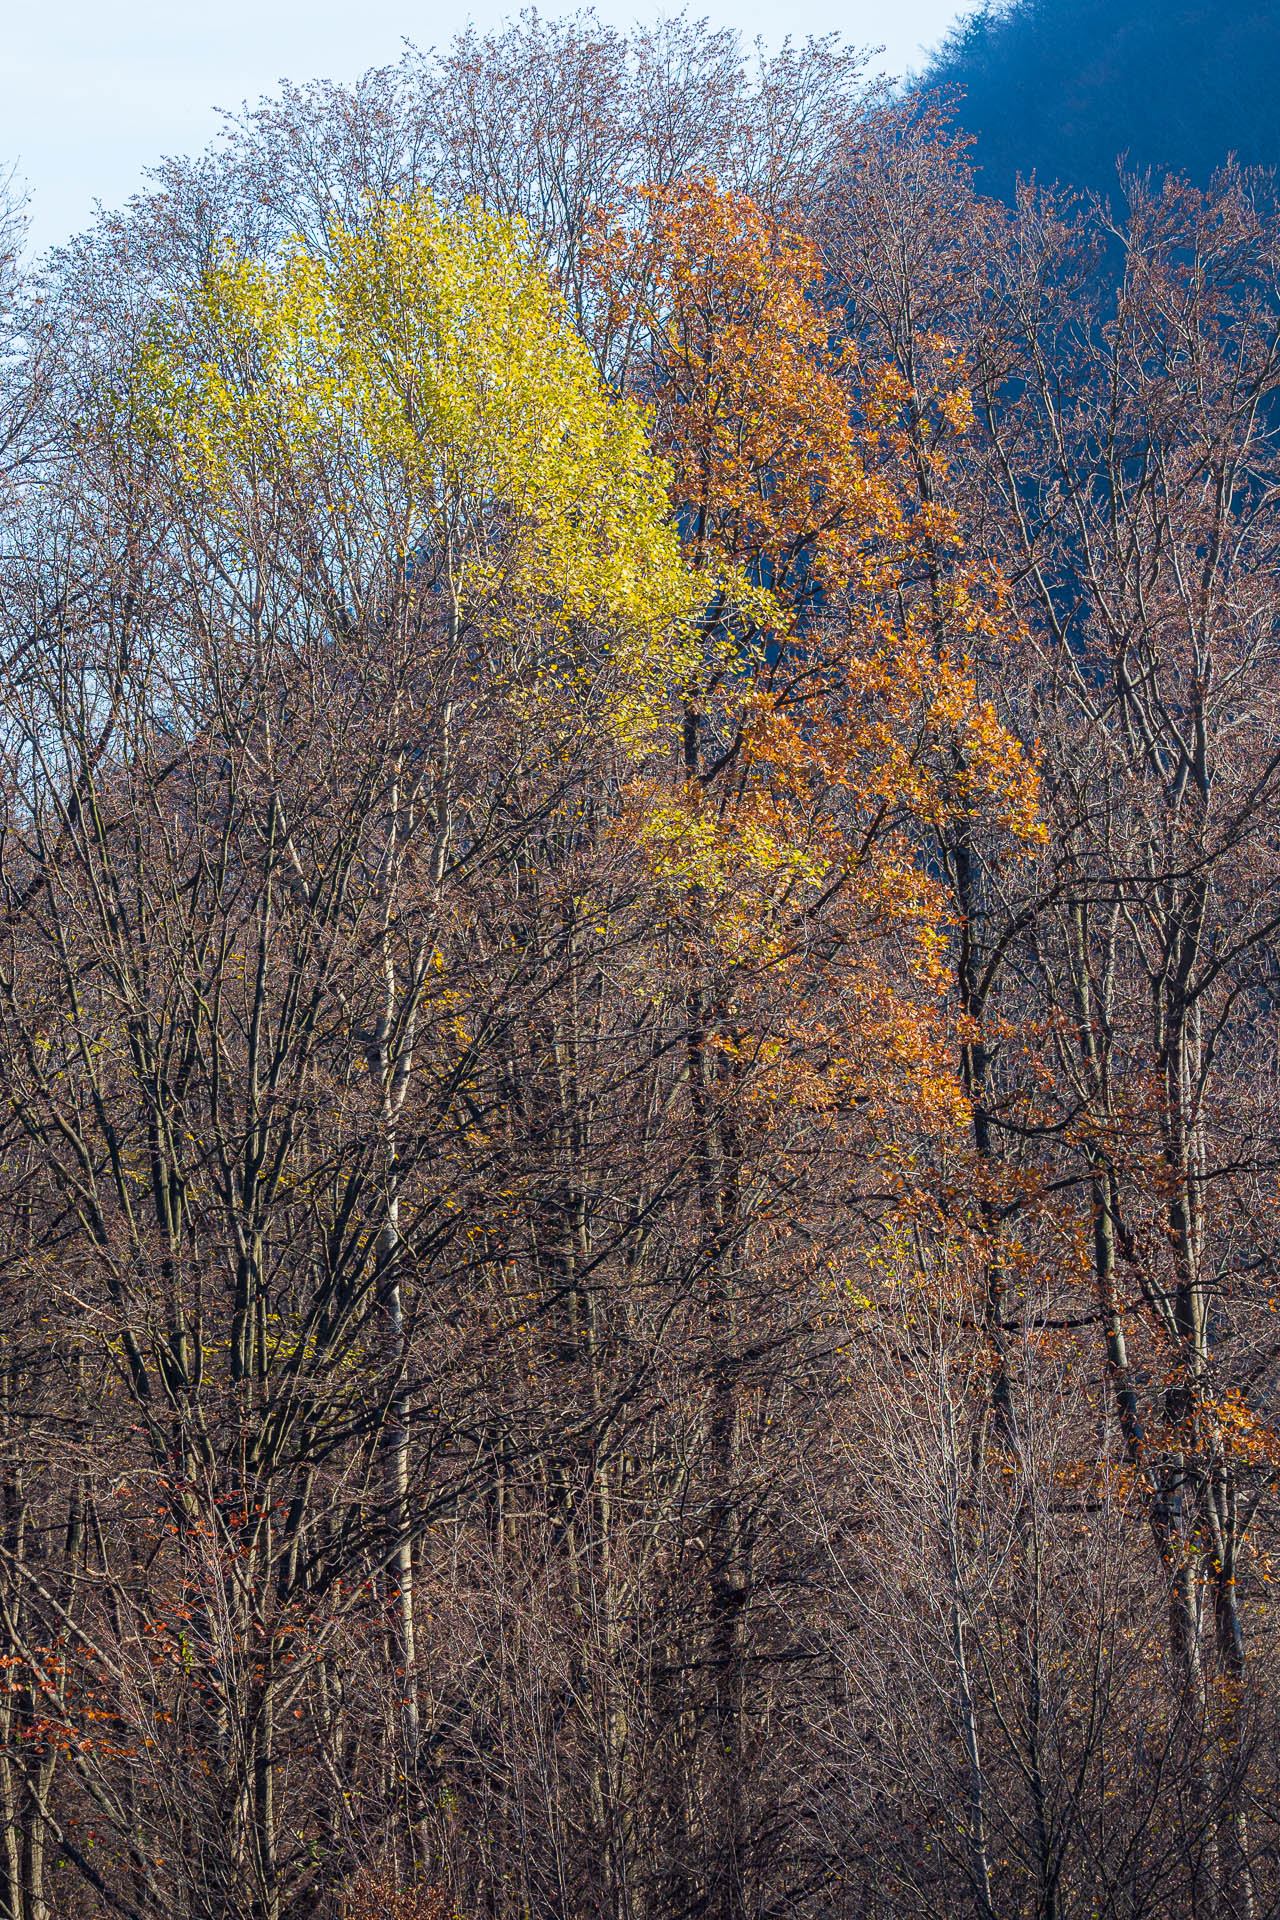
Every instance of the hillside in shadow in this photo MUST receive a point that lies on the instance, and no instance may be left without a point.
(1062, 88)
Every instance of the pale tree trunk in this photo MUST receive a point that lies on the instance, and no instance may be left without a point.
(966, 1706)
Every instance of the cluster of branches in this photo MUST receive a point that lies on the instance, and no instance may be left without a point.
(639, 919)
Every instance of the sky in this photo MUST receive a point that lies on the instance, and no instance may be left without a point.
(96, 90)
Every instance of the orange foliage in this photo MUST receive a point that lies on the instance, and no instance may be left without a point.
(743, 376)
(789, 473)
(838, 716)
(375, 1899)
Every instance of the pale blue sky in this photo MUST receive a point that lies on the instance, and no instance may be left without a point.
(94, 92)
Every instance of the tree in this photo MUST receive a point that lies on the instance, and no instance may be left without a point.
(316, 677)
(636, 1178)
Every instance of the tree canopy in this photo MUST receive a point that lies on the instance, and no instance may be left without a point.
(639, 948)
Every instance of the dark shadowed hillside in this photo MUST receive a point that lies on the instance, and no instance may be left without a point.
(1062, 87)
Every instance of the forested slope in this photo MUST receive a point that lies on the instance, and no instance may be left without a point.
(639, 955)
(1062, 88)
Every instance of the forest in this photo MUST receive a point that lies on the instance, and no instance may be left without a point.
(1062, 90)
(639, 957)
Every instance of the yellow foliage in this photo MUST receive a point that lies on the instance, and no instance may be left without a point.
(421, 377)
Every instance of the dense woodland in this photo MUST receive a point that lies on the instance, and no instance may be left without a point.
(639, 945)
(1063, 89)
